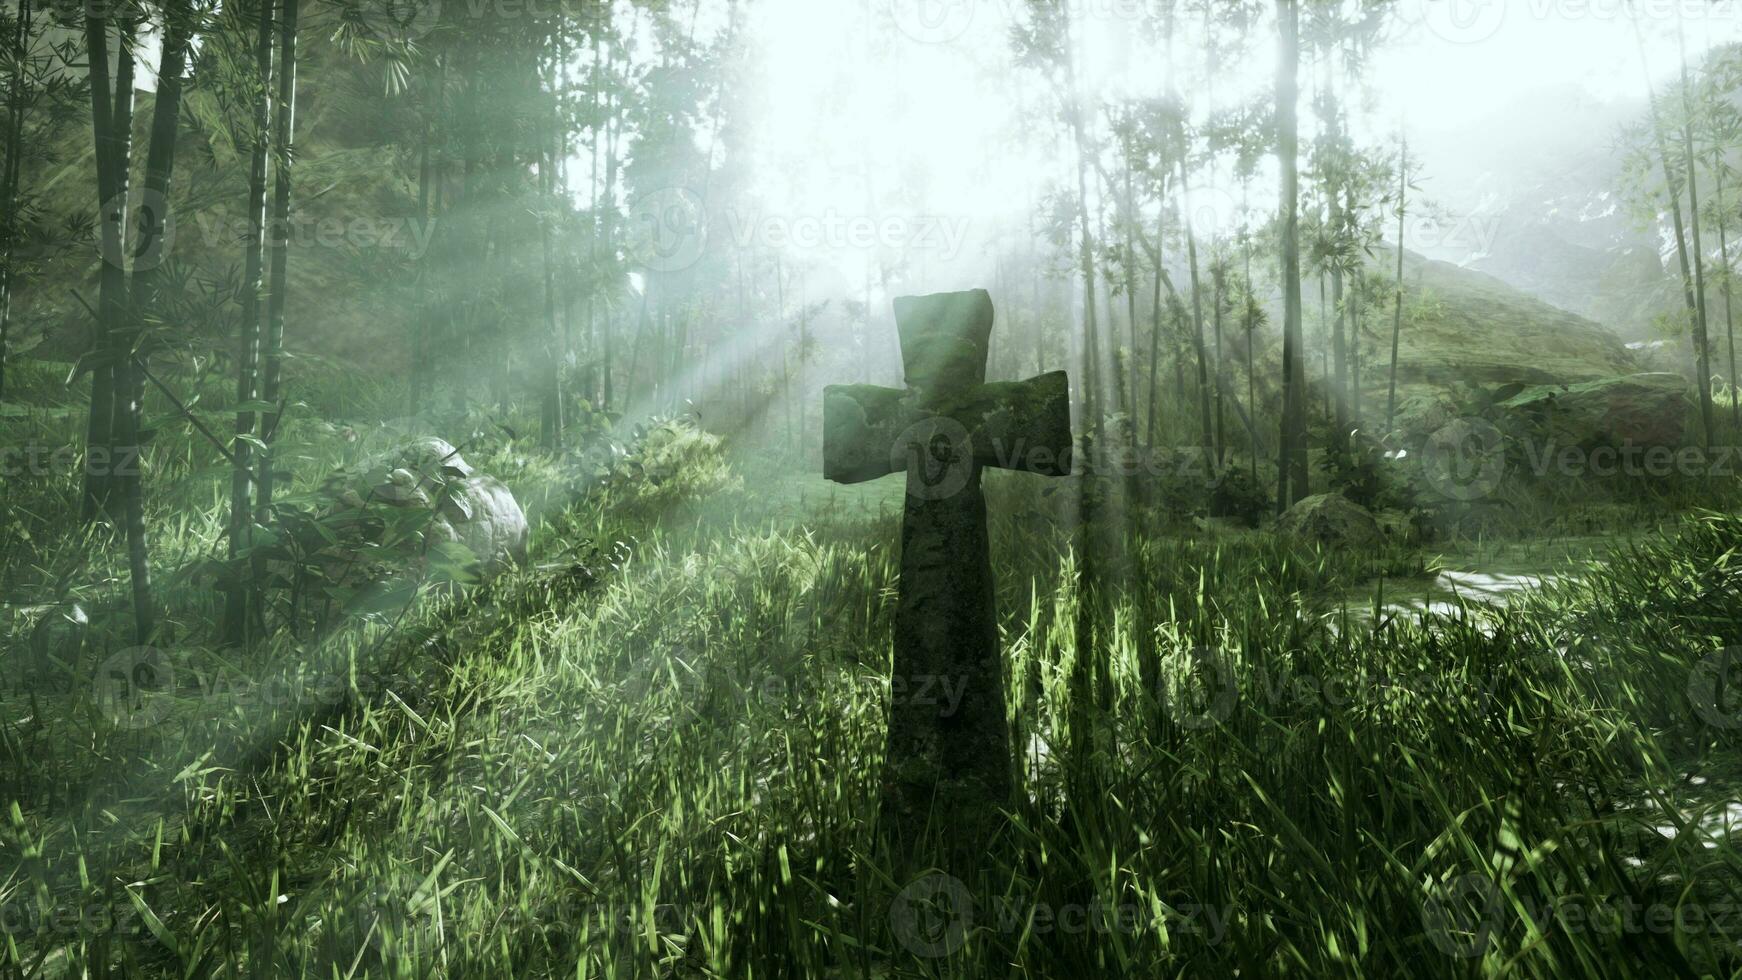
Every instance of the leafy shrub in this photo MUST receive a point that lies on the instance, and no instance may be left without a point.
(663, 463)
(1238, 494)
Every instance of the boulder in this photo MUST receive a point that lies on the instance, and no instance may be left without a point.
(1331, 519)
(467, 507)
(1635, 409)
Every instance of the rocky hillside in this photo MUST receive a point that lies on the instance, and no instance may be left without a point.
(1469, 341)
(1464, 326)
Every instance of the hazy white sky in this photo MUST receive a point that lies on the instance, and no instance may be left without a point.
(1461, 60)
(921, 98)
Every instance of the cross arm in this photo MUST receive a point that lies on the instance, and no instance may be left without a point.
(1017, 425)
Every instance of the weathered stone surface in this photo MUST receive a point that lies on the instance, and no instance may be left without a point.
(1333, 520)
(1637, 409)
(1007, 424)
(469, 508)
(948, 755)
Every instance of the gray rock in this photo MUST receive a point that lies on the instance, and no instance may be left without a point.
(1331, 519)
(1635, 409)
(469, 508)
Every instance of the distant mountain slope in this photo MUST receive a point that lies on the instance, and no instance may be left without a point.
(1461, 325)
(1533, 195)
(1467, 339)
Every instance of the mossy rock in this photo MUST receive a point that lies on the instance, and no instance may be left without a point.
(1635, 409)
(1331, 519)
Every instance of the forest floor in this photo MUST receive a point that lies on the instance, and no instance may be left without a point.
(655, 753)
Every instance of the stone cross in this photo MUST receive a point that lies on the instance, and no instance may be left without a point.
(949, 742)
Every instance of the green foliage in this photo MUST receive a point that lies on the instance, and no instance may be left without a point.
(691, 717)
(1239, 494)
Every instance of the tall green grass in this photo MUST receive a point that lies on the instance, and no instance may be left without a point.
(656, 753)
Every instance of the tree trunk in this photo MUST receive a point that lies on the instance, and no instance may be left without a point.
(1249, 316)
(1397, 294)
(1338, 228)
(1689, 297)
(1356, 278)
(237, 601)
(1216, 283)
(130, 368)
(1702, 346)
(112, 127)
(1205, 421)
(613, 126)
(1292, 455)
(420, 326)
(14, 156)
(1130, 307)
(1086, 245)
(1155, 324)
(272, 369)
(1729, 319)
(551, 416)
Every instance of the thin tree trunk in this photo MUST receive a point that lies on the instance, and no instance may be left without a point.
(552, 414)
(1689, 296)
(613, 127)
(1353, 301)
(1130, 306)
(1325, 349)
(1086, 244)
(785, 347)
(1339, 351)
(117, 309)
(1216, 277)
(9, 182)
(420, 325)
(1397, 294)
(237, 601)
(1703, 348)
(1356, 277)
(112, 125)
(1250, 317)
(1155, 325)
(1729, 319)
(130, 368)
(1292, 457)
(1205, 420)
(272, 372)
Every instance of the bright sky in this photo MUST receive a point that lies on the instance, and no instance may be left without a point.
(922, 96)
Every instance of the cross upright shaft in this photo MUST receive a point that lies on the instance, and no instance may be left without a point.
(949, 740)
